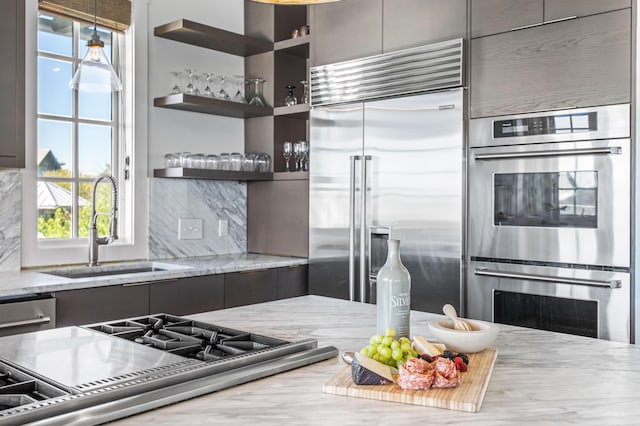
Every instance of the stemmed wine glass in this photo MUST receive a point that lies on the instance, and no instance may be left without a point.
(257, 99)
(176, 77)
(222, 93)
(208, 85)
(191, 88)
(305, 91)
(299, 150)
(239, 97)
(290, 99)
(287, 151)
(303, 149)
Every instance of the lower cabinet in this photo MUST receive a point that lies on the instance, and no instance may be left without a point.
(292, 282)
(248, 287)
(90, 305)
(187, 295)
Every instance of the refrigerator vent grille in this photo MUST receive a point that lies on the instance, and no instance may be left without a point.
(419, 69)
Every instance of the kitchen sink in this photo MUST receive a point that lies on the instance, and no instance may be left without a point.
(114, 270)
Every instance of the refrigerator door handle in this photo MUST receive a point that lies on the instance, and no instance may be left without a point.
(364, 275)
(352, 226)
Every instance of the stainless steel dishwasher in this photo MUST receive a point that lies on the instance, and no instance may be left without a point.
(23, 314)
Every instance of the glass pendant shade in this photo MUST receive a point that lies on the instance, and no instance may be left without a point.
(95, 73)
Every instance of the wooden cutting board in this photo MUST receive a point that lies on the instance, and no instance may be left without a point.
(466, 397)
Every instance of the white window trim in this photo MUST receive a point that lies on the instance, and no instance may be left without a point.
(134, 119)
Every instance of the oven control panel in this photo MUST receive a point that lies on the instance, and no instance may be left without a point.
(546, 125)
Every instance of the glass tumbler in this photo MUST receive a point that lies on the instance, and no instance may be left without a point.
(263, 161)
(212, 162)
(249, 164)
(184, 159)
(224, 161)
(172, 160)
(236, 160)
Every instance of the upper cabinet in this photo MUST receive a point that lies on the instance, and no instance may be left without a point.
(12, 84)
(574, 63)
(344, 30)
(411, 23)
(498, 16)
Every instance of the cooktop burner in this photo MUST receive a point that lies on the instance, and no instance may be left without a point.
(18, 388)
(188, 338)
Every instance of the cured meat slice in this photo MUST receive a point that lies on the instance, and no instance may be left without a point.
(446, 374)
(416, 374)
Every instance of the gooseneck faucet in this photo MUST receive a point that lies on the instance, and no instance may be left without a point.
(94, 239)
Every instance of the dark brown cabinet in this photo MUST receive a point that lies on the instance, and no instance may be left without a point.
(411, 23)
(497, 16)
(576, 63)
(292, 282)
(12, 84)
(187, 295)
(91, 305)
(249, 287)
(348, 29)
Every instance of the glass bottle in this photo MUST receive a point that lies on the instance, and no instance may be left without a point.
(393, 295)
(290, 99)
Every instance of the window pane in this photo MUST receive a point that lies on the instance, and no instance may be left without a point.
(86, 31)
(94, 150)
(54, 94)
(55, 35)
(94, 105)
(55, 201)
(54, 148)
(103, 204)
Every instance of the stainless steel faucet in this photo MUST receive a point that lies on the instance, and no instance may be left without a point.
(94, 239)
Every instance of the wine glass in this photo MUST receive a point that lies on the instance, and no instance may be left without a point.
(192, 77)
(257, 98)
(298, 153)
(208, 79)
(239, 97)
(305, 91)
(176, 78)
(303, 153)
(287, 151)
(290, 99)
(222, 83)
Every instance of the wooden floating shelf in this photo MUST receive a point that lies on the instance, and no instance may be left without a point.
(300, 111)
(298, 46)
(187, 173)
(291, 176)
(214, 106)
(193, 33)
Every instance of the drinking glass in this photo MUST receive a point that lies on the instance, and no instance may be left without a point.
(303, 154)
(184, 159)
(297, 155)
(235, 161)
(192, 78)
(249, 164)
(176, 82)
(207, 84)
(263, 161)
(225, 161)
(290, 99)
(239, 97)
(305, 91)
(256, 98)
(287, 151)
(172, 160)
(222, 84)
(212, 162)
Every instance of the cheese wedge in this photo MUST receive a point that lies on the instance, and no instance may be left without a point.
(367, 371)
(423, 346)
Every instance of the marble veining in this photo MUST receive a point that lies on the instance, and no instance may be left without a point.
(209, 200)
(540, 378)
(11, 193)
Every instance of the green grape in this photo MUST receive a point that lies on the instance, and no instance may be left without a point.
(395, 345)
(365, 351)
(397, 354)
(372, 349)
(376, 339)
(385, 353)
(376, 357)
(387, 340)
(391, 332)
(405, 346)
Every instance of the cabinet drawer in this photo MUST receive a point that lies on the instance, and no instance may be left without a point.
(246, 288)
(25, 316)
(292, 282)
(187, 295)
(584, 61)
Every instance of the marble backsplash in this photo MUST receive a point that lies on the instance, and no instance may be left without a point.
(209, 200)
(10, 207)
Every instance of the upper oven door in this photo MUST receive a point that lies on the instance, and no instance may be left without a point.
(565, 202)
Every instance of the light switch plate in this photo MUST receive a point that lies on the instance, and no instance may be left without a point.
(223, 227)
(189, 229)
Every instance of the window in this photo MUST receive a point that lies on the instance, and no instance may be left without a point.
(77, 132)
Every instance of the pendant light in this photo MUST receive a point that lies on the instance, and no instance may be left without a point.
(294, 2)
(95, 73)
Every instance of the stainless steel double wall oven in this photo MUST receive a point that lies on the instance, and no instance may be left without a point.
(549, 221)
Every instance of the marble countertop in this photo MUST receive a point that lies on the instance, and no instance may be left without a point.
(540, 378)
(27, 282)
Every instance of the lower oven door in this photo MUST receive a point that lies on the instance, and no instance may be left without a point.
(574, 301)
(565, 202)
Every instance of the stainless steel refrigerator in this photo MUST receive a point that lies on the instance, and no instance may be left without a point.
(382, 169)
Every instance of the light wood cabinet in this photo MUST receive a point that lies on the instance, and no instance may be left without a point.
(12, 84)
(497, 16)
(348, 29)
(558, 9)
(411, 23)
(577, 63)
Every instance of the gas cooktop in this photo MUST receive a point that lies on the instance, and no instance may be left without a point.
(188, 338)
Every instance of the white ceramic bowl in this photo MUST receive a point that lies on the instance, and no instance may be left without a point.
(482, 335)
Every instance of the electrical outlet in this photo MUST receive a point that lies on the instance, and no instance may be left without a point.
(223, 227)
(189, 229)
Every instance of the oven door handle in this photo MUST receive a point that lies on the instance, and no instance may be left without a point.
(551, 153)
(534, 277)
(36, 321)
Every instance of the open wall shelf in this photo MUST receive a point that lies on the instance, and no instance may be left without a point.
(214, 106)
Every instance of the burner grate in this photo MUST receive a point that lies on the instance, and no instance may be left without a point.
(188, 338)
(18, 388)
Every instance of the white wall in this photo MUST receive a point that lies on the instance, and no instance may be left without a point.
(177, 131)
